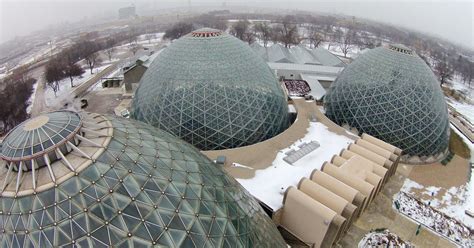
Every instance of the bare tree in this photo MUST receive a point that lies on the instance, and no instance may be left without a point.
(16, 90)
(444, 71)
(110, 51)
(209, 21)
(465, 67)
(240, 29)
(110, 47)
(347, 41)
(334, 36)
(73, 70)
(249, 37)
(53, 74)
(314, 36)
(288, 32)
(92, 60)
(263, 32)
(177, 30)
(134, 48)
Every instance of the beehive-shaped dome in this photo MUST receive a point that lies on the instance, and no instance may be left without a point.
(213, 91)
(390, 93)
(121, 183)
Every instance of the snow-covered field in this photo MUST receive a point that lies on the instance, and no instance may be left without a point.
(457, 84)
(280, 175)
(65, 86)
(335, 49)
(436, 221)
(144, 41)
(466, 108)
(455, 200)
(155, 38)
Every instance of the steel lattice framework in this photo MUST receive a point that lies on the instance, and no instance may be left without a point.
(213, 91)
(124, 184)
(390, 92)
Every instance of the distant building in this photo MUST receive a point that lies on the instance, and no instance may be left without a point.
(127, 12)
(133, 73)
(318, 67)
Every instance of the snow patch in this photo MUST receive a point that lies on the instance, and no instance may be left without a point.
(65, 88)
(280, 175)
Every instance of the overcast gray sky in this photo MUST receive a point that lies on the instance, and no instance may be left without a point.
(452, 20)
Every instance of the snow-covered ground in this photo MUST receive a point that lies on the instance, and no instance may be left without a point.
(65, 86)
(143, 40)
(455, 200)
(383, 238)
(457, 84)
(466, 108)
(32, 97)
(335, 49)
(280, 175)
(156, 37)
(434, 220)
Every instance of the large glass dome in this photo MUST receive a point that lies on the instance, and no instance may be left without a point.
(213, 91)
(122, 183)
(389, 92)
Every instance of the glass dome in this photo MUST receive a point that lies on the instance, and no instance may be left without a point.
(213, 91)
(130, 185)
(390, 93)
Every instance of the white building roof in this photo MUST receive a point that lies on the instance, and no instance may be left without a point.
(321, 72)
(300, 54)
(317, 90)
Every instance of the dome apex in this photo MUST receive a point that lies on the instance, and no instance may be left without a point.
(39, 135)
(206, 32)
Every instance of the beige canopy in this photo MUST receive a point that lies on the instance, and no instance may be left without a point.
(370, 155)
(339, 188)
(377, 149)
(331, 200)
(359, 184)
(310, 220)
(382, 144)
(375, 168)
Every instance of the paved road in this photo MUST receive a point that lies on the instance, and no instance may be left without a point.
(39, 104)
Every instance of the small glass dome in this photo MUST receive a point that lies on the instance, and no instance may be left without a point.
(36, 136)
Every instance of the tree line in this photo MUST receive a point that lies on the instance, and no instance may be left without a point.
(64, 64)
(15, 90)
(346, 33)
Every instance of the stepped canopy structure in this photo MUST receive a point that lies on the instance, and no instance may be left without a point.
(390, 93)
(89, 180)
(213, 91)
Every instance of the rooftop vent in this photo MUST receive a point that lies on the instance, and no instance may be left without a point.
(206, 32)
(400, 48)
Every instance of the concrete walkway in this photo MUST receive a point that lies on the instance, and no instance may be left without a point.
(261, 155)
